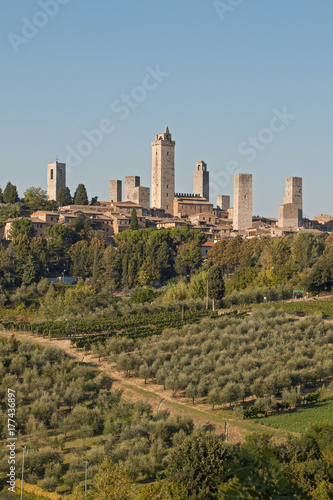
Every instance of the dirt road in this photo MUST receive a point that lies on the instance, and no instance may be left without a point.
(135, 389)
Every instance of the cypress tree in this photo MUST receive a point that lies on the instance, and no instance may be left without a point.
(10, 194)
(134, 225)
(81, 197)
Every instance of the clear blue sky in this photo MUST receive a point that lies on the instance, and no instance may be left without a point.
(227, 73)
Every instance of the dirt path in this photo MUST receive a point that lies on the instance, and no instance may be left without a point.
(135, 389)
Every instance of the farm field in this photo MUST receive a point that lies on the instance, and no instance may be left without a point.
(298, 421)
(316, 306)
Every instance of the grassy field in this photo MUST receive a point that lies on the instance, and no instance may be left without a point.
(297, 421)
(313, 307)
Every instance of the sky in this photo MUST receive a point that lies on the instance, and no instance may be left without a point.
(244, 85)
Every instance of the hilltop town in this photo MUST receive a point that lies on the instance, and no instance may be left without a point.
(161, 207)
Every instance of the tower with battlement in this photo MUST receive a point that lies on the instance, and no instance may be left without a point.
(56, 179)
(201, 180)
(163, 172)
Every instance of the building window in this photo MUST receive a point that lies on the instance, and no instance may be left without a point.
(167, 153)
(167, 195)
(60, 173)
(51, 174)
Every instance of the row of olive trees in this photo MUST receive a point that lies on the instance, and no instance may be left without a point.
(230, 359)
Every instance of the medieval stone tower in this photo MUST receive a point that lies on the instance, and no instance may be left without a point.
(291, 212)
(163, 172)
(294, 192)
(56, 179)
(115, 191)
(201, 180)
(242, 218)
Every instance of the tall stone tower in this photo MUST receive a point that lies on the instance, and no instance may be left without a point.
(115, 191)
(291, 212)
(56, 179)
(201, 180)
(163, 172)
(243, 202)
(294, 192)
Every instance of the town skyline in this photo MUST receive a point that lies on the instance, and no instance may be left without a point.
(216, 80)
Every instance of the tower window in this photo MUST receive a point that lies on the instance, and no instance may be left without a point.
(167, 186)
(60, 173)
(51, 174)
(167, 195)
(167, 153)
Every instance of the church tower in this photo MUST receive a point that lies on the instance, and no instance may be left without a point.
(163, 172)
(56, 179)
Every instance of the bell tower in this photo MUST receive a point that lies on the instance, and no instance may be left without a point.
(56, 179)
(163, 172)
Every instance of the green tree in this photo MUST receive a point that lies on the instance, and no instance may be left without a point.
(134, 225)
(111, 482)
(216, 287)
(81, 197)
(196, 465)
(22, 226)
(10, 194)
(94, 201)
(188, 259)
(35, 198)
(30, 272)
(64, 196)
(1, 195)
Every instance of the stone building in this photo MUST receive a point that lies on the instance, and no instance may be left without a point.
(56, 179)
(115, 191)
(291, 212)
(163, 172)
(243, 202)
(223, 202)
(136, 193)
(185, 205)
(131, 182)
(201, 180)
(294, 192)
